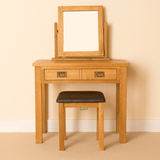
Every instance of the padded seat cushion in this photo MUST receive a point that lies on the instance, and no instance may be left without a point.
(80, 97)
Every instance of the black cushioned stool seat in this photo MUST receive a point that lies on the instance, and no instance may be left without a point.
(80, 97)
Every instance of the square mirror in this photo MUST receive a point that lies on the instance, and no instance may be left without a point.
(80, 31)
(76, 26)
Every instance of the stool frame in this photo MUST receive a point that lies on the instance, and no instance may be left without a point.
(100, 121)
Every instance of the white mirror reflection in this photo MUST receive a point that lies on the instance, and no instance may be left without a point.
(80, 31)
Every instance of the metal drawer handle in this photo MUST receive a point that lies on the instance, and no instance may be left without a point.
(99, 74)
(61, 74)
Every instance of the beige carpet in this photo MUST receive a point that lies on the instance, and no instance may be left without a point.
(79, 146)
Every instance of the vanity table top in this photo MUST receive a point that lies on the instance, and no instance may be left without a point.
(79, 62)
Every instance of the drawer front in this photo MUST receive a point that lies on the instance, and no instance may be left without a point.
(62, 74)
(99, 74)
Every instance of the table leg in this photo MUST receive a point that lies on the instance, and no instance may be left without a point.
(117, 106)
(38, 107)
(44, 118)
(122, 111)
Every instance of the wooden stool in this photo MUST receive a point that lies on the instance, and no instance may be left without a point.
(81, 99)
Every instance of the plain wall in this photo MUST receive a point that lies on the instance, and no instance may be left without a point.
(27, 34)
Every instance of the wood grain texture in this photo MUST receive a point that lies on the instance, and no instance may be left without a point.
(121, 72)
(81, 81)
(55, 40)
(97, 123)
(69, 74)
(44, 119)
(61, 52)
(117, 106)
(80, 8)
(100, 30)
(89, 74)
(80, 105)
(64, 121)
(80, 58)
(38, 107)
(100, 121)
(118, 72)
(101, 126)
(123, 97)
(60, 31)
(105, 41)
(61, 127)
(80, 63)
(80, 54)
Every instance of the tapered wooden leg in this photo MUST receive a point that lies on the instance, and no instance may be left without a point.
(44, 118)
(61, 127)
(122, 111)
(117, 106)
(98, 123)
(101, 126)
(64, 122)
(38, 105)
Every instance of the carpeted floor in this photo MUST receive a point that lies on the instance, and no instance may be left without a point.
(79, 146)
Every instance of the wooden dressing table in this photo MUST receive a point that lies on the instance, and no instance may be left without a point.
(81, 70)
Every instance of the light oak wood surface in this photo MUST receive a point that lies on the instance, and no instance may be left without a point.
(80, 8)
(38, 105)
(80, 63)
(62, 74)
(44, 119)
(105, 41)
(61, 52)
(100, 121)
(84, 59)
(80, 105)
(74, 68)
(122, 110)
(118, 70)
(99, 74)
(117, 106)
(55, 40)
(101, 126)
(61, 127)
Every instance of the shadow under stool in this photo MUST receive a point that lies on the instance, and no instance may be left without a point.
(81, 99)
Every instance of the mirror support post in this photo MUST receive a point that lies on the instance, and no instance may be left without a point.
(55, 40)
(105, 40)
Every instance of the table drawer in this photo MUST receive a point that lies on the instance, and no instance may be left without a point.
(62, 74)
(99, 74)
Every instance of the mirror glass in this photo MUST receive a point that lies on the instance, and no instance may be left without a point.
(80, 31)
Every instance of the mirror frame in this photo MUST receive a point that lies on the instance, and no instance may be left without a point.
(100, 52)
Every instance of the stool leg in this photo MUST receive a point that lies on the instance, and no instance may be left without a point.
(98, 123)
(64, 122)
(61, 126)
(101, 126)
